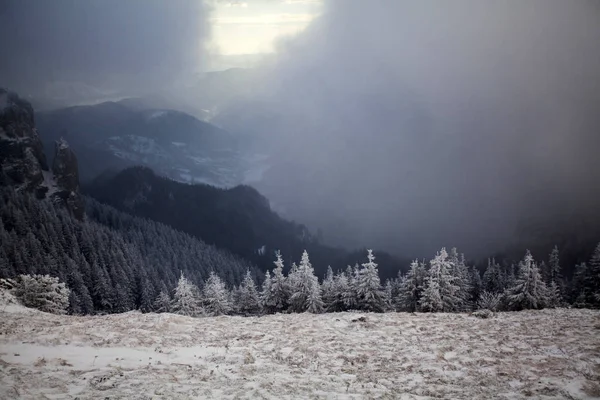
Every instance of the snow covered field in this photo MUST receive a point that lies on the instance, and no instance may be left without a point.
(550, 354)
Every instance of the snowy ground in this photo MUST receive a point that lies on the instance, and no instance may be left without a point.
(552, 354)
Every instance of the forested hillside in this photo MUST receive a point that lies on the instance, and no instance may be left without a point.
(238, 219)
(112, 262)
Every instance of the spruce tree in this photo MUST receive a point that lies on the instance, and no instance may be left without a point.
(369, 294)
(592, 279)
(186, 299)
(215, 296)
(476, 285)
(440, 292)
(162, 303)
(265, 294)
(248, 298)
(493, 281)
(340, 288)
(304, 284)
(329, 290)
(529, 291)
(280, 290)
(411, 287)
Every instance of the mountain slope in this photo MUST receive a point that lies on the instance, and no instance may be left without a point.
(114, 135)
(238, 219)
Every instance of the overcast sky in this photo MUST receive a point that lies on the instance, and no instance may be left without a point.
(403, 124)
(417, 124)
(251, 27)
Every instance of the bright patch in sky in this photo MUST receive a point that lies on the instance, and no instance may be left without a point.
(253, 27)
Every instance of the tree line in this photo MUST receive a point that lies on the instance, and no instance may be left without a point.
(444, 284)
(114, 262)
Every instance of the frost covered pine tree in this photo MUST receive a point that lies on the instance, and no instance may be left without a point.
(462, 280)
(476, 285)
(314, 300)
(265, 293)
(591, 281)
(43, 292)
(529, 290)
(280, 290)
(186, 299)
(215, 296)
(388, 295)
(440, 292)
(162, 303)
(493, 281)
(350, 296)
(328, 290)
(340, 289)
(369, 294)
(411, 287)
(248, 302)
(305, 288)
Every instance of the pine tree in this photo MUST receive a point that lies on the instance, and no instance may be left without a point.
(411, 287)
(554, 295)
(265, 294)
(280, 290)
(215, 296)
(388, 295)
(350, 296)
(304, 284)
(476, 285)
(43, 292)
(329, 290)
(314, 302)
(369, 294)
(554, 280)
(592, 279)
(493, 281)
(340, 288)
(440, 292)
(162, 303)
(248, 298)
(462, 279)
(578, 290)
(554, 265)
(186, 300)
(529, 291)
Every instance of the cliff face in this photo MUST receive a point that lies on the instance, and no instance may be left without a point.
(22, 159)
(23, 164)
(66, 178)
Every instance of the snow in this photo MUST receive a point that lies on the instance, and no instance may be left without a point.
(532, 354)
(49, 182)
(158, 114)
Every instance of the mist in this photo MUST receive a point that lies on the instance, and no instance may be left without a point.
(393, 124)
(92, 48)
(411, 125)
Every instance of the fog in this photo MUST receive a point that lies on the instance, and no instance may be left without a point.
(99, 46)
(402, 125)
(410, 125)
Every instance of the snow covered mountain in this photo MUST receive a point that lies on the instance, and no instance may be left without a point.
(113, 135)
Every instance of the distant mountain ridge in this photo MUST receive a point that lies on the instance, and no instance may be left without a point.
(115, 135)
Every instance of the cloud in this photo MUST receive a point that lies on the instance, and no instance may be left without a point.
(420, 124)
(100, 42)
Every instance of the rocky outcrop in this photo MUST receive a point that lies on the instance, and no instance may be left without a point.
(22, 159)
(66, 178)
(23, 164)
